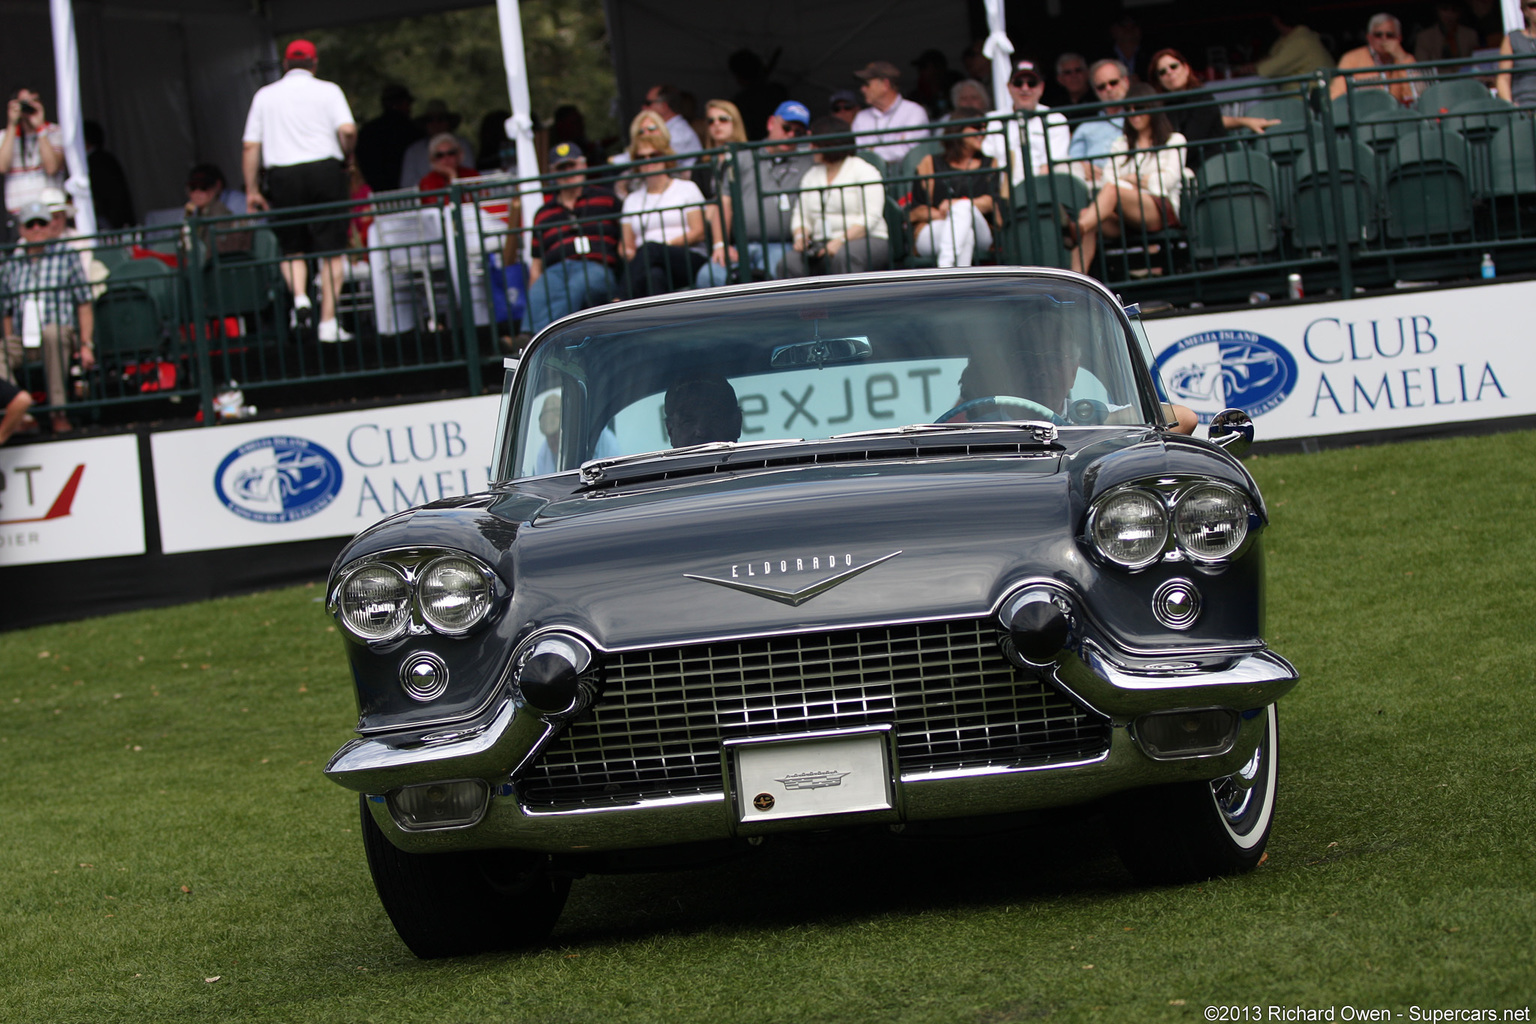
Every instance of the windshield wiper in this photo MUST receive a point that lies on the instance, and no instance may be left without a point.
(1045, 432)
(592, 470)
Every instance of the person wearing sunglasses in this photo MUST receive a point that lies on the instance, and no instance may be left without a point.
(1383, 49)
(843, 105)
(447, 166)
(1516, 82)
(667, 101)
(1199, 120)
(901, 123)
(1093, 139)
(1144, 184)
(1049, 137)
(47, 307)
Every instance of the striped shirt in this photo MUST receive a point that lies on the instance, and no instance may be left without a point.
(590, 231)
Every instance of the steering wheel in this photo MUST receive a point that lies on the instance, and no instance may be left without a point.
(997, 402)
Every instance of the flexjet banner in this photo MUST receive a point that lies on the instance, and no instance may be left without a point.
(1406, 360)
(317, 476)
(69, 500)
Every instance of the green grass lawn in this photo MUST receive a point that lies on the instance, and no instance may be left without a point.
(171, 851)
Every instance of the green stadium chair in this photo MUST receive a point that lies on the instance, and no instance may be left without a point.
(1442, 97)
(1512, 160)
(1366, 102)
(1427, 189)
(1232, 213)
(1353, 173)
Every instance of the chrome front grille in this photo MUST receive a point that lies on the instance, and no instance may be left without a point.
(953, 698)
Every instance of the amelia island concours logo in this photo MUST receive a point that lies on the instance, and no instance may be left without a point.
(277, 479)
(1227, 369)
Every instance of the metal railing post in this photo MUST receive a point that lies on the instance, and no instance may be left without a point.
(1335, 191)
(462, 298)
(192, 267)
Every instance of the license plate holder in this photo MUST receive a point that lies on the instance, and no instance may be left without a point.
(813, 775)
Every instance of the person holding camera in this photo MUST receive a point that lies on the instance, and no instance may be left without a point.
(839, 224)
(32, 152)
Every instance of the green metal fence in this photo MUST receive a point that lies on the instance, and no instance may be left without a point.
(1347, 194)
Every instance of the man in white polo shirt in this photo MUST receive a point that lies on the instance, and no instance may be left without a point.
(301, 130)
(888, 110)
(1048, 133)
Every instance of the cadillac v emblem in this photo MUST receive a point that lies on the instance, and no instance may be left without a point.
(813, 780)
(741, 572)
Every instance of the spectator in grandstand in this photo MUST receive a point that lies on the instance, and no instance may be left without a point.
(32, 151)
(843, 105)
(47, 305)
(934, 80)
(968, 93)
(663, 225)
(722, 127)
(647, 125)
(902, 123)
(1144, 184)
(1071, 85)
(109, 185)
(1516, 82)
(838, 226)
(1383, 49)
(569, 125)
(301, 130)
(974, 61)
(767, 180)
(382, 142)
(1125, 45)
(1093, 139)
(1204, 121)
(1297, 50)
(15, 402)
(1049, 137)
(205, 198)
(1447, 38)
(756, 96)
(496, 150)
(447, 166)
(957, 192)
(1487, 20)
(789, 121)
(435, 119)
(574, 256)
(667, 102)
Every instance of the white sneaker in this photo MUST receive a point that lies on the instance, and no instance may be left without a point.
(330, 330)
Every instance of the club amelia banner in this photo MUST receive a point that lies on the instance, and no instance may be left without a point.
(1318, 369)
(69, 500)
(240, 485)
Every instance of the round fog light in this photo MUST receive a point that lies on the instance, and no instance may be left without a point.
(424, 676)
(1176, 604)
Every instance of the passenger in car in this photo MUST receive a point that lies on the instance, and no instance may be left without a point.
(701, 410)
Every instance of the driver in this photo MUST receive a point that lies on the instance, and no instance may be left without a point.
(1042, 371)
(1046, 370)
(702, 410)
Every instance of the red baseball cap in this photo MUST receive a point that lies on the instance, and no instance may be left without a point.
(300, 49)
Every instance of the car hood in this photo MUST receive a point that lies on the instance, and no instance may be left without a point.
(794, 548)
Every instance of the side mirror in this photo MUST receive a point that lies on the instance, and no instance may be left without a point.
(1232, 429)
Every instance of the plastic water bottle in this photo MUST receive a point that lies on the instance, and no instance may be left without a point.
(1489, 273)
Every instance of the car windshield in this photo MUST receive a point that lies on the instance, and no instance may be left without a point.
(816, 362)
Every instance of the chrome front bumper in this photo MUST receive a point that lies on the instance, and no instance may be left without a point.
(499, 746)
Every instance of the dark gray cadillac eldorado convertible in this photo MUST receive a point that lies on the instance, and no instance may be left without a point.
(872, 551)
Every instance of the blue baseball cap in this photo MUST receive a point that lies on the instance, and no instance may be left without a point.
(790, 110)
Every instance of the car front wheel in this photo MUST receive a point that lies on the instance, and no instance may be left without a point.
(454, 904)
(1191, 831)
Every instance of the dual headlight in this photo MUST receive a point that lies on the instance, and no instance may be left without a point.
(1134, 526)
(382, 598)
